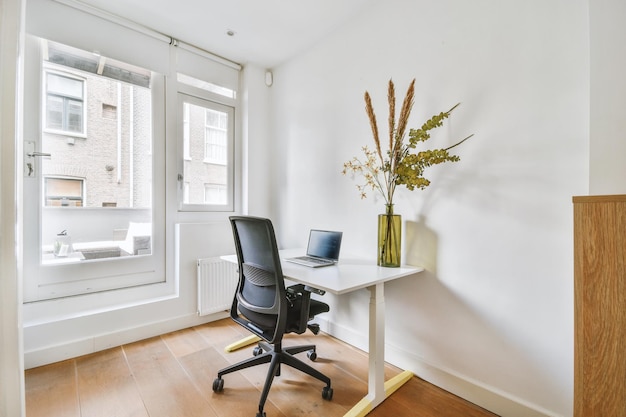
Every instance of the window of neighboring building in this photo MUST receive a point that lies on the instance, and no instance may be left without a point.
(64, 192)
(215, 194)
(215, 136)
(65, 103)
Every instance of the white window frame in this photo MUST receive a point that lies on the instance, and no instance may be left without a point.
(220, 103)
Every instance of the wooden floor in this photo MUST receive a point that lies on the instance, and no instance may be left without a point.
(172, 376)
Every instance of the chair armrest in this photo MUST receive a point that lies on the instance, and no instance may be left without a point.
(303, 292)
(314, 290)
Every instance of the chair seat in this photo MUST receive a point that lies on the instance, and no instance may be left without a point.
(267, 322)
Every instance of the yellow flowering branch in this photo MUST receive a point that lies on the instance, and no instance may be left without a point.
(399, 166)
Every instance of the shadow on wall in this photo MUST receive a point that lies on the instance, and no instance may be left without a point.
(421, 245)
(450, 333)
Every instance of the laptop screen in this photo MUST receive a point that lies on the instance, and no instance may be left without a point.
(324, 244)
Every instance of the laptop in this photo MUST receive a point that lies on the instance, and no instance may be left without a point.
(322, 250)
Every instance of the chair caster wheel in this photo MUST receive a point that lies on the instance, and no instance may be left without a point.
(218, 385)
(327, 393)
(257, 351)
(260, 414)
(312, 355)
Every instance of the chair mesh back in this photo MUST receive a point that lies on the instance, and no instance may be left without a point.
(258, 276)
(261, 291)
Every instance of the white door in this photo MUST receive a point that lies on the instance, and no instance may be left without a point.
(93, 199)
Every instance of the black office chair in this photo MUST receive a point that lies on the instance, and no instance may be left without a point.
(265, 307)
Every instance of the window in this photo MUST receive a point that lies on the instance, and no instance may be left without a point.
(63, 192)
(215, 136)
(207, 155)
(206, 86)
(215, 194)
(64, 103)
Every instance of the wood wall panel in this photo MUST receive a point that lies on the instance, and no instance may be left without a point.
(600, 306)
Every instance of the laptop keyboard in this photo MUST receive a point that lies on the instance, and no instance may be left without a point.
(313, 260)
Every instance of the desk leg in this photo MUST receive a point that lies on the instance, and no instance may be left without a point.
(376, 379)
(378, 389)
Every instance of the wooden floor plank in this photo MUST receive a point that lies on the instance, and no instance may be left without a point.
(106, 386)
(421, 399)
(165, 387)
(220, 333)
(185, 342)
(172, 376)
(239, 398)
(51, 391)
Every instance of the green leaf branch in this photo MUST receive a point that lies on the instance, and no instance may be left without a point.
(399, 164)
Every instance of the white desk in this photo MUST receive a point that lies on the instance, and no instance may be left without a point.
(347, 276)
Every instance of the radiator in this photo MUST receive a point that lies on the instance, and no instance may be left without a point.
(217, 282)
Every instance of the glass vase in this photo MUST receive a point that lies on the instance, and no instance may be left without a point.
(389, 238)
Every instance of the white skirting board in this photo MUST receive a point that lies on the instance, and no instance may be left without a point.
(489, 397)
(217, 282)
(122, 336)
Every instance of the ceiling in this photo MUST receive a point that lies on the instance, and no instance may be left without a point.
(265, 32)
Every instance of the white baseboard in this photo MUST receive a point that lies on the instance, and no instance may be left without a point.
(483, 395)
(75, 348)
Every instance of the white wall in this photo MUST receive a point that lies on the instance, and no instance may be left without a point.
(608, 97)
(492, 318)
(257, 156)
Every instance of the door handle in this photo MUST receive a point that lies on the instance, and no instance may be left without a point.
(34, 154)
(30, 154)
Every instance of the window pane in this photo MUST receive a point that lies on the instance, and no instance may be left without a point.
(207, 162)
(74, 116)
(64, 104)
(63, 192)
(113, 163)
(65, 86)
(54, 112)
(59, 187)
(215, 194)
(216, 119)
(216, 144)
(194, 82)
(216, 136)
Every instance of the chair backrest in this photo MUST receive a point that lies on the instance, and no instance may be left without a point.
(260, 297)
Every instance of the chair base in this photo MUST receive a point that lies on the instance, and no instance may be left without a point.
(276, 355)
